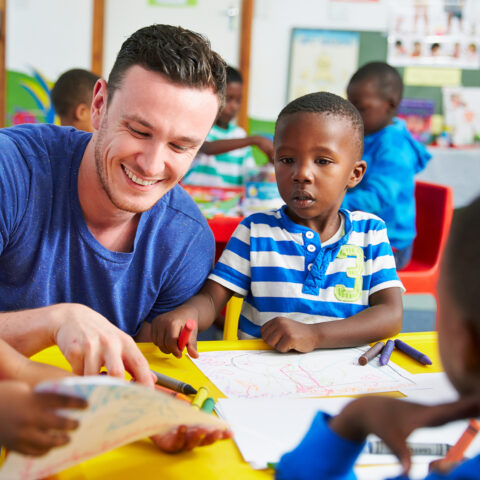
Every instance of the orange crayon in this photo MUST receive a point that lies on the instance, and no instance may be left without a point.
(457, 452)
(179, 396)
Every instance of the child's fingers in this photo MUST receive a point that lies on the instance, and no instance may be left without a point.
(172, 441)
(285, 344)
(399, 448)
(57, 400)
(192, 345)
(38, 442)
(52, 421)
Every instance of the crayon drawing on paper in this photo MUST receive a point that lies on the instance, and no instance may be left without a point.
(263, 374)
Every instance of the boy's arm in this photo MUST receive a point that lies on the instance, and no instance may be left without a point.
(203, 308)
(382, 319)
(15, 366)
(391, 419)
(221, 146)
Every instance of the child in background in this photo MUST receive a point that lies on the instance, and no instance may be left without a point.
(393, 420)
(393, 157)
(313, 275)
(72, 96)
(28, 423)
(225, 159)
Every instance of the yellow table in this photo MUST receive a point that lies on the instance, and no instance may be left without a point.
(222, 460)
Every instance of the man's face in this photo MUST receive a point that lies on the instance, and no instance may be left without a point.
(148, 136)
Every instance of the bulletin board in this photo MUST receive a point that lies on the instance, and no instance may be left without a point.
(372, 46)
(321, 60)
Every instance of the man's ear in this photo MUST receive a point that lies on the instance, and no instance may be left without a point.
(99, 102)
(357, 173)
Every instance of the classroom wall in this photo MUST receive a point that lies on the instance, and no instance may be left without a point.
(52, 36)
(273, 22)
(49, 35)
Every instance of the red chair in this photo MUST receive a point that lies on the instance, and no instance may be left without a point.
(434, 215)
(222, 228)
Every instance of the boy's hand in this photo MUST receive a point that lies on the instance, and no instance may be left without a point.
(183, 438)
(285, 334)
(265, 145)
(393, 420)
(166, 329)
(28, 422)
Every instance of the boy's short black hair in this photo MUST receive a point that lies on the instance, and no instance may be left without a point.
(183, 56)
(233, 75)
(72, 88)
(389, 81)
(462, 262)
(325, 103)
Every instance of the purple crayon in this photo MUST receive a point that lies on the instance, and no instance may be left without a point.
(386, 352)
(411, 352)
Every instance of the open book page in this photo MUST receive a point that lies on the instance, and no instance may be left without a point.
(119, 412)
(321, 373)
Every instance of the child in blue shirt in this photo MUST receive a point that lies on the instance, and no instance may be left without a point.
(312, 275)
(226, 159)
(332, 445)
(393, 157)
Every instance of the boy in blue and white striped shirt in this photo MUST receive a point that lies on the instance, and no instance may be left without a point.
(312, 275)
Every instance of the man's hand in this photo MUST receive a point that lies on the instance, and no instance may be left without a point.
(166, 329)
(285, 334)
(393, 420)
(28, 422)
(89, 341)
(184, 438)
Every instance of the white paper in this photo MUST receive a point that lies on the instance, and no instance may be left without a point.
(265, 429)
(119, 412)
(321, 373)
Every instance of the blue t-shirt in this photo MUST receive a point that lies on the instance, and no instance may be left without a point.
(48, 255)
(388, 187)
(337, 457)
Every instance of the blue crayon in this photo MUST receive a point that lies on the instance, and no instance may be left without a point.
(387, 352)
(411, 352)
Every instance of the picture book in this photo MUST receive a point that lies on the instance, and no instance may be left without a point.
(118, 413)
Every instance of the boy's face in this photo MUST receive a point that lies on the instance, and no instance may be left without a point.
(376, 111)
(233, 102)
(316, 160)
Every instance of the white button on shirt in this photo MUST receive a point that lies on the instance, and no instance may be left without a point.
(309, 266)
(309, 234)
(311, 248)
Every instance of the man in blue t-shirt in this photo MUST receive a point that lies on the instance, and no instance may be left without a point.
(96, 237)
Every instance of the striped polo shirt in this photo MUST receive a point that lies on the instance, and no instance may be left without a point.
(282, 269)
(228, 169)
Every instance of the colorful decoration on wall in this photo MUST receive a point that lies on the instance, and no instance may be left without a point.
(28, 98)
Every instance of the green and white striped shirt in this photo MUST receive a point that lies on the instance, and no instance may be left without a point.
(228, 169)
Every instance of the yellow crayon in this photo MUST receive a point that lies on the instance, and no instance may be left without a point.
(200, 397)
